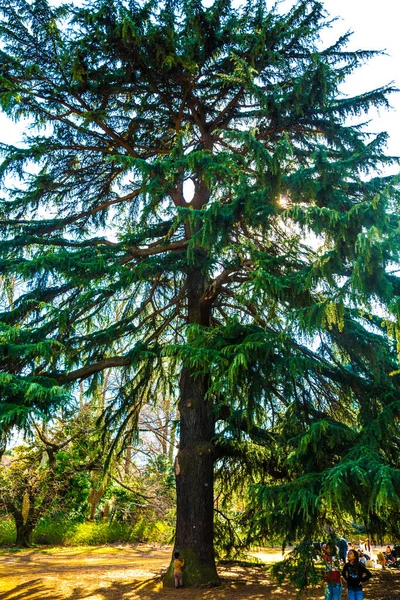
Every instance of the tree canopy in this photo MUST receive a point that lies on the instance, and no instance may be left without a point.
(196, 199)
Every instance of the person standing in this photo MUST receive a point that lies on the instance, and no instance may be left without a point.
(333, 590)
(355, 574)
(178, 566)
(343, 547)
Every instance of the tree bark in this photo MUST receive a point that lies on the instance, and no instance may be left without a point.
(194, 464)
(24, 530)
(24, 535)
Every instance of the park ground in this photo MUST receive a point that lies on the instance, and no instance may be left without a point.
(134, 573)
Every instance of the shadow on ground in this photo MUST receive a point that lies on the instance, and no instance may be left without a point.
(238, 583)
(135, 576)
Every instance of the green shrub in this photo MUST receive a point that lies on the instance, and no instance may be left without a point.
(151, 531)
(7, 532)
(52, 533)
(58, 532)
(93, 534)
(141, 531)
(163, 532)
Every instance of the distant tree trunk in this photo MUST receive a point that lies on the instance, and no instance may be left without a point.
(167, 428)
(93, 505)
(24, 535)
(194, 464)
(3, 443)
(172, 438)
(106, 512)
(96, 494)
(23, 528)
(128, 461)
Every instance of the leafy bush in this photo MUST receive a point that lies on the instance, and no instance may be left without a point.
(93, 534)
(51, 533)
(151, 531)
(141, 532)
(58, 533)
(7, 532)
(163, 532)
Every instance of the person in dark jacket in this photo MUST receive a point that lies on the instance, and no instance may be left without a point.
(343, 548)
(355, 574)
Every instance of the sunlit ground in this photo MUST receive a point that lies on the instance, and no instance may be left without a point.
(127, 573)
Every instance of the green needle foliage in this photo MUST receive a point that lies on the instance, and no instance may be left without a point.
(194, 193)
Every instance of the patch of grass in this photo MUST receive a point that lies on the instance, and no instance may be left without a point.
(96, 534)
(8, 550)
(254, 562)
(7, 532)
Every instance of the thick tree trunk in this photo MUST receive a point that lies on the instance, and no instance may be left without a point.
(24, 536)
(194, 473)
(194, 465)
(24, 530)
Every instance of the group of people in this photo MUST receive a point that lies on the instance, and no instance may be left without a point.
(354, 573)
(388, 558)
(343, 563)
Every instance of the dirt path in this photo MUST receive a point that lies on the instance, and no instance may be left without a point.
(133, 573)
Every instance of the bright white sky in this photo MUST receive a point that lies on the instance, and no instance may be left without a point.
(375, 25)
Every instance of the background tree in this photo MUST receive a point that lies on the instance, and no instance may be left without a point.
(26, 492)
(57, 479)
(51, 471)
(31, 485)
(197, 166)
